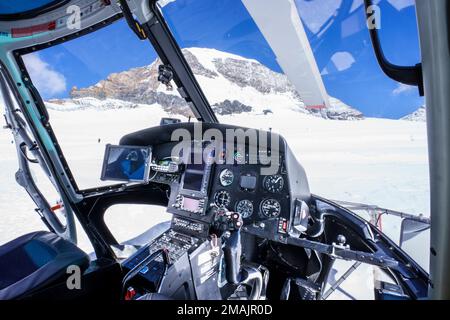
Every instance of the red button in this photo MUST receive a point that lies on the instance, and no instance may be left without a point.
(129, 295)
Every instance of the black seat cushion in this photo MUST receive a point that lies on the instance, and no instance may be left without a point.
(34, 261)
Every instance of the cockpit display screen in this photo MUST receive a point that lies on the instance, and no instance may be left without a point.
(193, 177)
(195, 173)
(126, 163)
(190, 204)
(193, 181)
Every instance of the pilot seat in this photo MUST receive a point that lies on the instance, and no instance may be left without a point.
(36, 261)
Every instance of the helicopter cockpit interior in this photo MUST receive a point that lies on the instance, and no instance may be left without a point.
(245, 224)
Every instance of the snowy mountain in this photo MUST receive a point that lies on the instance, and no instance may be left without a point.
(233, 85)
(419, 115)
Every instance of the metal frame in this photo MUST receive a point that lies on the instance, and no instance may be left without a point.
(34, 113)
(435, 46)
(167, 49)
(170, 53)
(410, 75)
(434, 30)
(24, 177)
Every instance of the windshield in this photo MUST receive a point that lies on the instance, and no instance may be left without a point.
(307, 72)
(361, 129)
(91, 84)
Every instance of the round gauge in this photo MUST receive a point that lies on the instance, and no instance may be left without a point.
(270, 208)
(222, 198)
(244, 208)
(273, 184)
(226, 177)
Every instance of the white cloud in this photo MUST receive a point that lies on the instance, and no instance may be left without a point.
(402, 88)
(356, 4)
(48, 81)
(401, 4)
(163, 3)
(343, 60)
(316, 13)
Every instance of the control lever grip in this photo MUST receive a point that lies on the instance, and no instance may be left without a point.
(172, 167)
(228, 225)
(232, 254)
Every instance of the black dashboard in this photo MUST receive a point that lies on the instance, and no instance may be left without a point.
(215, 187)
(236, 187)
(233, 177)
(219, 191)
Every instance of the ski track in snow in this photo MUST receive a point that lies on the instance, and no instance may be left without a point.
(374, 161)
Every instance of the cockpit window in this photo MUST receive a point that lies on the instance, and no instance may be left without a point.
(230, 37)
(370, 135)
(308, 72)
(97, 89)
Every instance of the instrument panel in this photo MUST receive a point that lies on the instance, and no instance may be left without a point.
(242, 189)
(239, 187)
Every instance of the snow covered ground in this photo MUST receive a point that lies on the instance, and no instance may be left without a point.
(374, 161)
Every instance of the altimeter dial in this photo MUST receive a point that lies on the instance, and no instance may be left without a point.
(222, 199)
(274, 184)
(226, 177)
(270, 208)
(245, 208)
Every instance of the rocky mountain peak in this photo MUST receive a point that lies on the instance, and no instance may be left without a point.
(420, 115)
(232, 84)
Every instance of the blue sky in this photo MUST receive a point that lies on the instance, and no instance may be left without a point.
(336, 29)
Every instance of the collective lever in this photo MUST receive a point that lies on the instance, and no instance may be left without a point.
(228, 224)
(232, 254)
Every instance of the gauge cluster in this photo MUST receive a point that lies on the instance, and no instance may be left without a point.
(239, 184)
(237, 187)
(241, 188)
